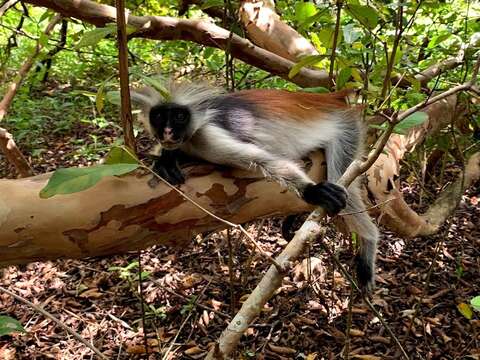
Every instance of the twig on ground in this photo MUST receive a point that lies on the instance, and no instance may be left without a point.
(55, 320)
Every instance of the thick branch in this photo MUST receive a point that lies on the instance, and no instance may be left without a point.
(449, 199)
(265, 28)
(201, 32)
(122, 214)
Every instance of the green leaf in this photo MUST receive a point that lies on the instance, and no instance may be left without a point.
(100, 98)
(208, 52)
(342, 77)
(465, 310)
(318, 90)
(92, 37)
(120, 155)
(411, 121)
(475, 302)
(212, 3)
(304, 10)
(113, 97)
(72, 180)
(46, 15)
(438, 39)
(363, 13)
(9, 325)
(326, 36)
(307, 60)
(43, 39)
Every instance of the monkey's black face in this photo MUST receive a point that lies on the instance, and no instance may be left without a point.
(170, 124)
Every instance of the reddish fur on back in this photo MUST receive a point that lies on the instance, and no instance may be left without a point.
(301, 106)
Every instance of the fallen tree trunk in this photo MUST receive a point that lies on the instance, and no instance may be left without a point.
(121, 214)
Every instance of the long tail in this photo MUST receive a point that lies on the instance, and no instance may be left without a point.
(340, 154)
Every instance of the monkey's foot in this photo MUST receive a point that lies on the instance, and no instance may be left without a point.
(331, 197)
(365, 274)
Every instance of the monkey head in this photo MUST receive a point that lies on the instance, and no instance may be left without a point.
(170, 124)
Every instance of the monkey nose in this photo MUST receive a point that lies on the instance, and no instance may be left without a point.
(167, 134)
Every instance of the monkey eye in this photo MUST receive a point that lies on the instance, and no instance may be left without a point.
(181, 117)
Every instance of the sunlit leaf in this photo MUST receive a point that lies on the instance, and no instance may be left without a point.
(318, 90)
(365, 14)
(475, 302)
(307, 60)
(72, 180)
(465, 310)
(120, 155)
(411, 121)
(92, 37)
(342, 77)
(304, 10)
(10, 325)
(100, 98)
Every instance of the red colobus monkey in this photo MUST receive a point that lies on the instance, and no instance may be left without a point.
(271, 130)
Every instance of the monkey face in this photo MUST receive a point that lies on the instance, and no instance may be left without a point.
(170, 124)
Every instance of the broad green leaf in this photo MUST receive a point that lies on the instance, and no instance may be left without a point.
(43, 39)
(438, 39)
(365, 14)
(9, 325)
(208, 52)
(120, 155)
(92, 37)
(46, 15)
(72, 180)
(307, 60)
(113, 97)
(100, 98)
(350, 34)
(475, 302)
(342, 77)
(304, 10)
(465, 310)
(318, 90)
(413, 120)
(326, 36)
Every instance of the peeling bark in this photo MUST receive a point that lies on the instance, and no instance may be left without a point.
(121, 214)
(265, 29)
(383, 176)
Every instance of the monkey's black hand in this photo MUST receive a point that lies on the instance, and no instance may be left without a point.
(331, 197)
(166, 167)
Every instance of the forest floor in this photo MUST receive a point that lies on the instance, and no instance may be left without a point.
(190, 294)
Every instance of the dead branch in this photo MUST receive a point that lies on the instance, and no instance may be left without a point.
(198, 31)
(13, 154)
(14, 86)
(449, 199)
(45, 313)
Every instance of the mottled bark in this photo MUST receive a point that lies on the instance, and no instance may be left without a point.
(265, 29)
(121, 214)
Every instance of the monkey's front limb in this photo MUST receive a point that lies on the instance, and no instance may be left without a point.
(166, 166)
